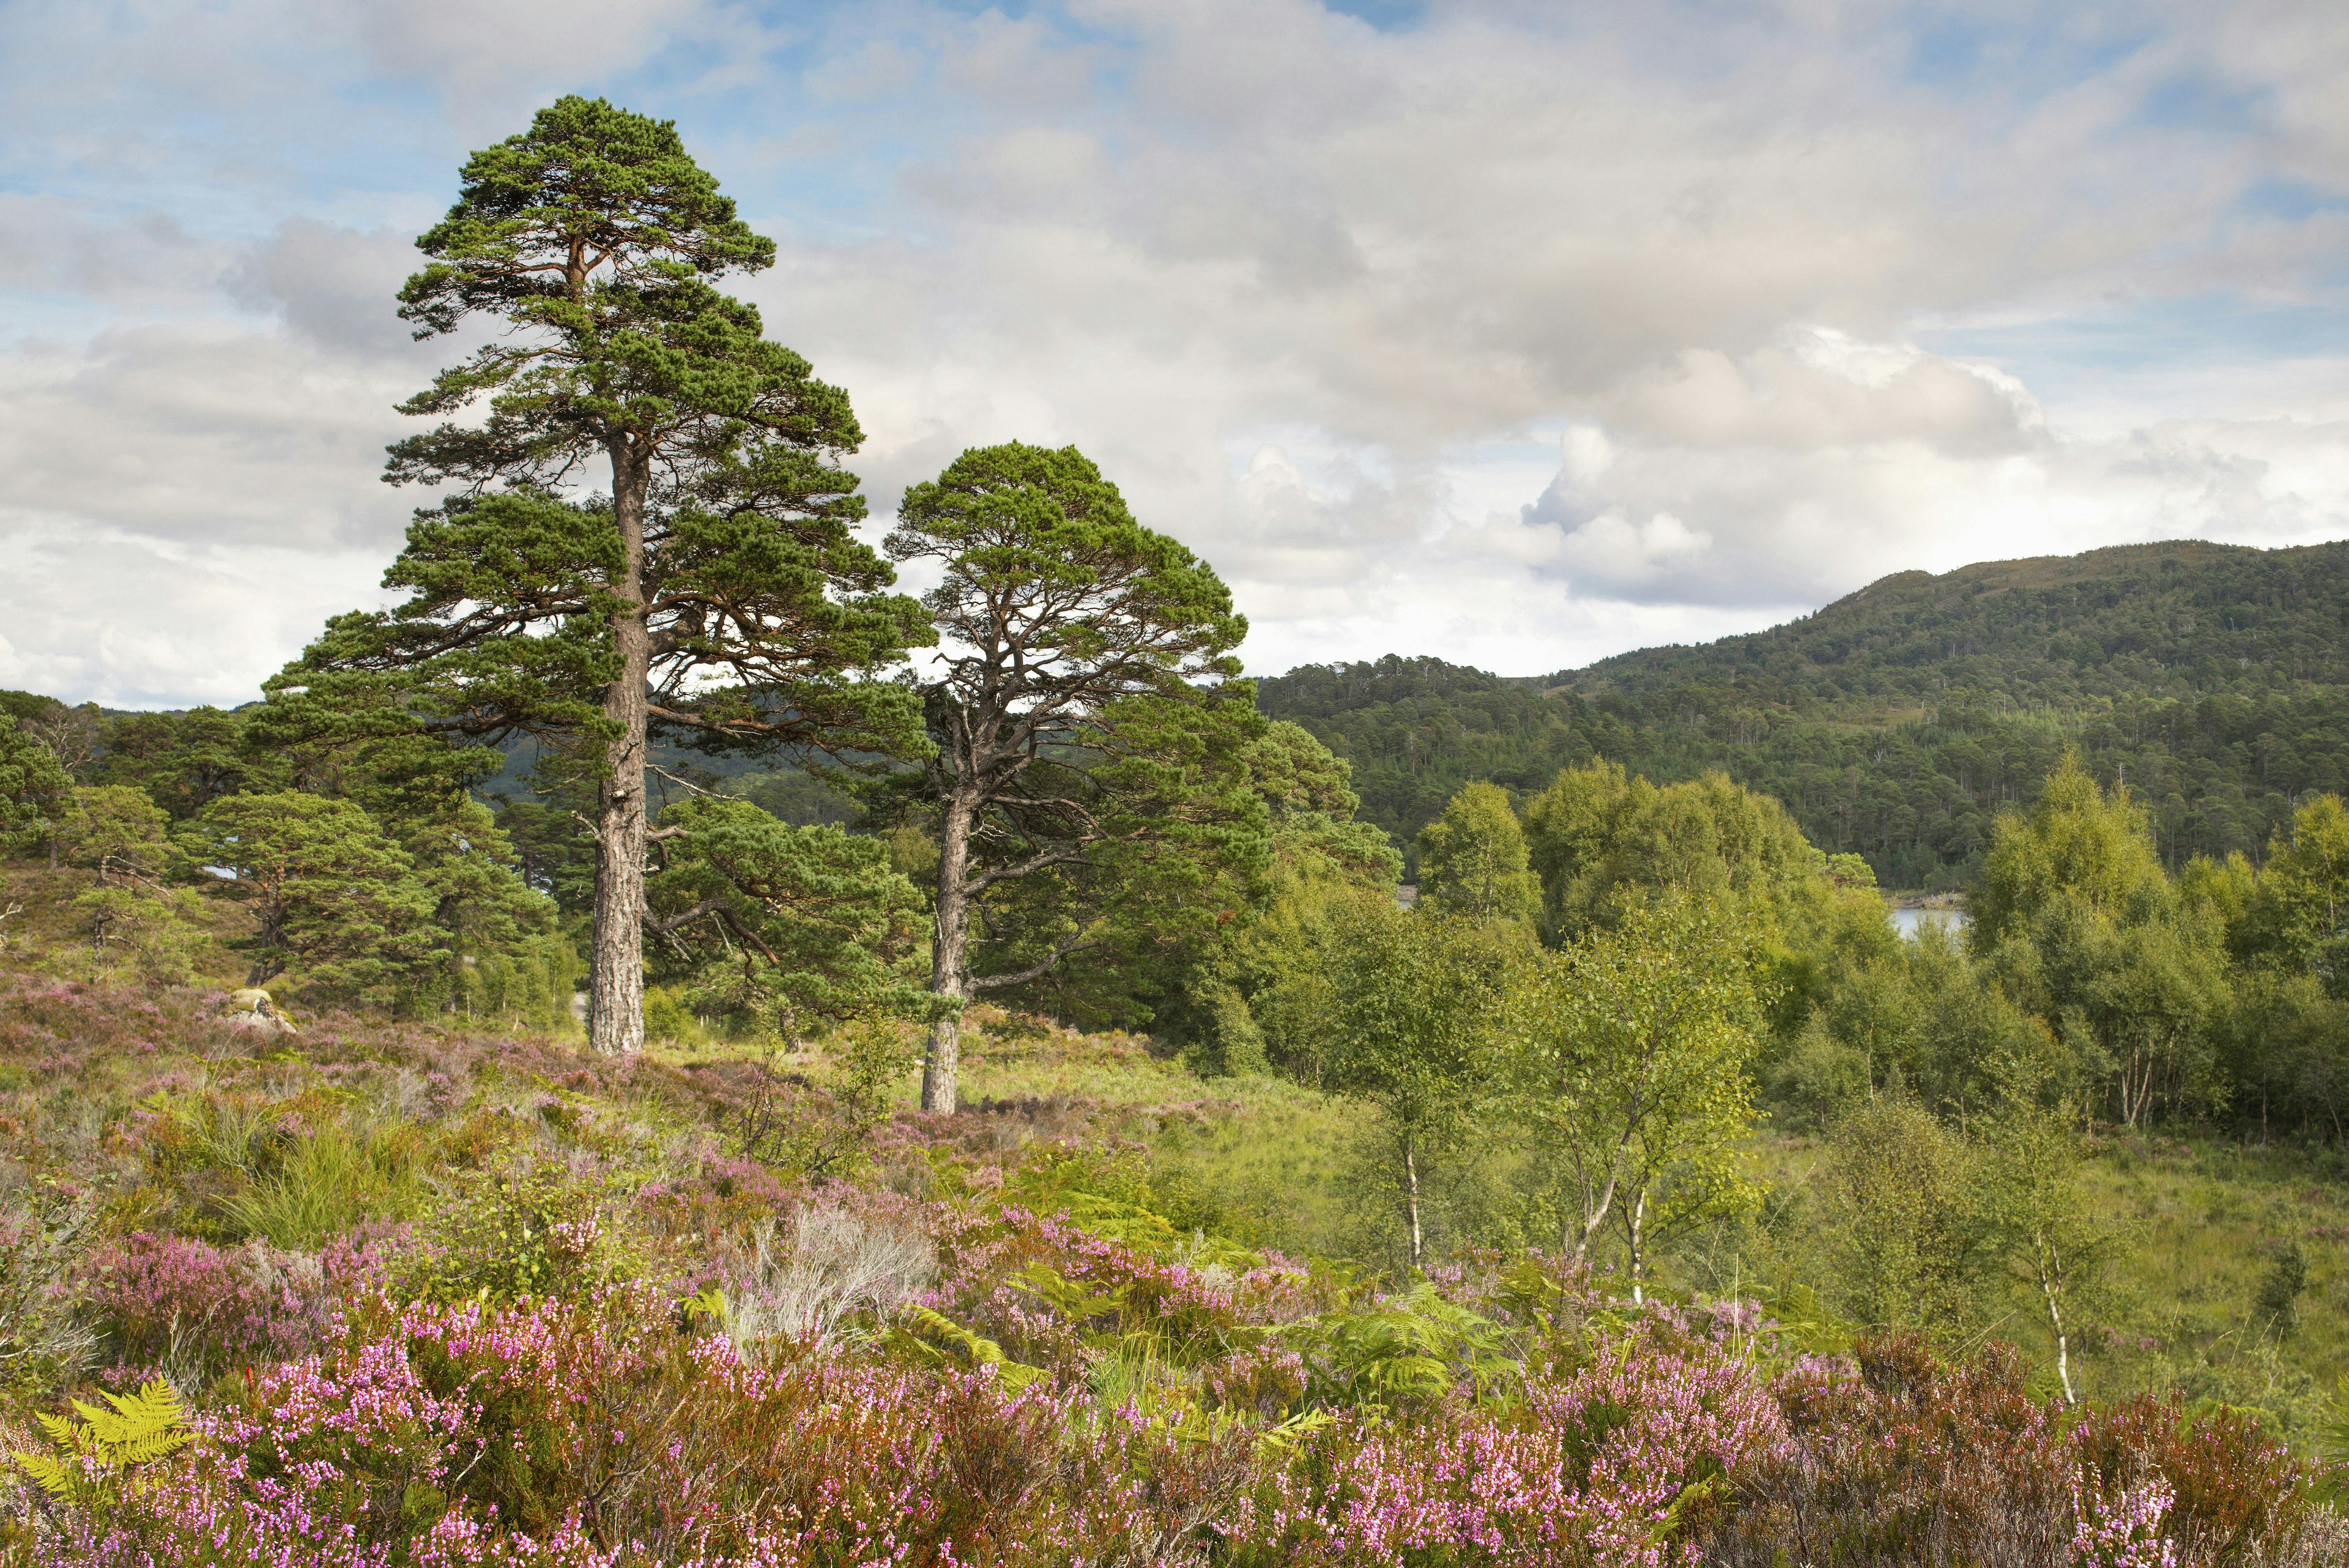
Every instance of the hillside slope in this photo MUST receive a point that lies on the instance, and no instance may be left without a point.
(2067, 631)
(1896, 722)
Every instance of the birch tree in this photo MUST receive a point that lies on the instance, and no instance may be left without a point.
(1630, 1060)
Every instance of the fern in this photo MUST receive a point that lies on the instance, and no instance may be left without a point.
(96, 1450)
(1411, 1347)
(922, 1327)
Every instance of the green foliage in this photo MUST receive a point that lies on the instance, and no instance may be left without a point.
(1408, 1349)
(589, 236)
(2077, 842)
(1471, 859)
(1256, 996)
(781, 924)
(825, 1134)
(184, 761)
(1628, 1060)
(101, 1447)
(120, 835)
(1410, 1022)
(1898, 1194)
(2276, 1303)
(2302, 914)
(33, 787)
(1415, 729)
(1598, 829)
(331, 894)
(2086, 931)
(2035, 1220)
(526, 1224)
(586, 183)
(1862, 1014)
(790, 795)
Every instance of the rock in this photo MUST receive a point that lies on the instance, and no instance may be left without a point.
(254, 1008)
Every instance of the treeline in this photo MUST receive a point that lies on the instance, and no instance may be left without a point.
(1567, 1044)
(367, 870)
(1896, 723)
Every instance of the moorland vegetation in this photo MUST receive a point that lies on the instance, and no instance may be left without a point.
(1066, 1148)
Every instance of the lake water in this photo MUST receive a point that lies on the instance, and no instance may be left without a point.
(1907, 921)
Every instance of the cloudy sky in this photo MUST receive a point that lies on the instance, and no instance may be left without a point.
(1516, 331)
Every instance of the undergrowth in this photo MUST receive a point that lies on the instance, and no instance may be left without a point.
(434, 1296)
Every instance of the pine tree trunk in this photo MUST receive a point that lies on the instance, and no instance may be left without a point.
(616, 980)
(950, 950)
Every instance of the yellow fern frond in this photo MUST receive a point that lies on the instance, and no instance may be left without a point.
(50, 1475)
(139, 1427)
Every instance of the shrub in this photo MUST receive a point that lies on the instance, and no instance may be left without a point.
(835, 1265)
(528, 1225)
(192, 1310)
(1615, 1463)
(2275, 1307)
(572, 1433)
(43, 1231)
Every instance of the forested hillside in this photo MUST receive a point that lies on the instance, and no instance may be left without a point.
(2214, 679)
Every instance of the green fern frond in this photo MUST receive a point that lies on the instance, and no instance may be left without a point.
(923, 1326)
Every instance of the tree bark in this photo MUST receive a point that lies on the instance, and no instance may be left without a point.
(949, 948)
(1635, 1226)
(616, 980)
(1410, 1190)
(2063, 1340)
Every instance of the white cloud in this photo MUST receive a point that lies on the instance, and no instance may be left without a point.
(1522, 335)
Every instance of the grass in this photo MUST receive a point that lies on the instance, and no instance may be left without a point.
(2205, 1221)
(1273, 1157)
(331, 1181)
(2200, 1221)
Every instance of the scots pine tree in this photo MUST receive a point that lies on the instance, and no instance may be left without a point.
(33, 788)
(1086, 779)
(329, 894)
(715, 596)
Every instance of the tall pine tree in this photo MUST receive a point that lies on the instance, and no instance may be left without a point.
(1091, 769)
(716, 597)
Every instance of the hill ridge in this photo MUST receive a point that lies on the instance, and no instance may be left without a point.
(1896, 720)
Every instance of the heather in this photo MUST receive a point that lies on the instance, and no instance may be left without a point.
(560, 1315)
